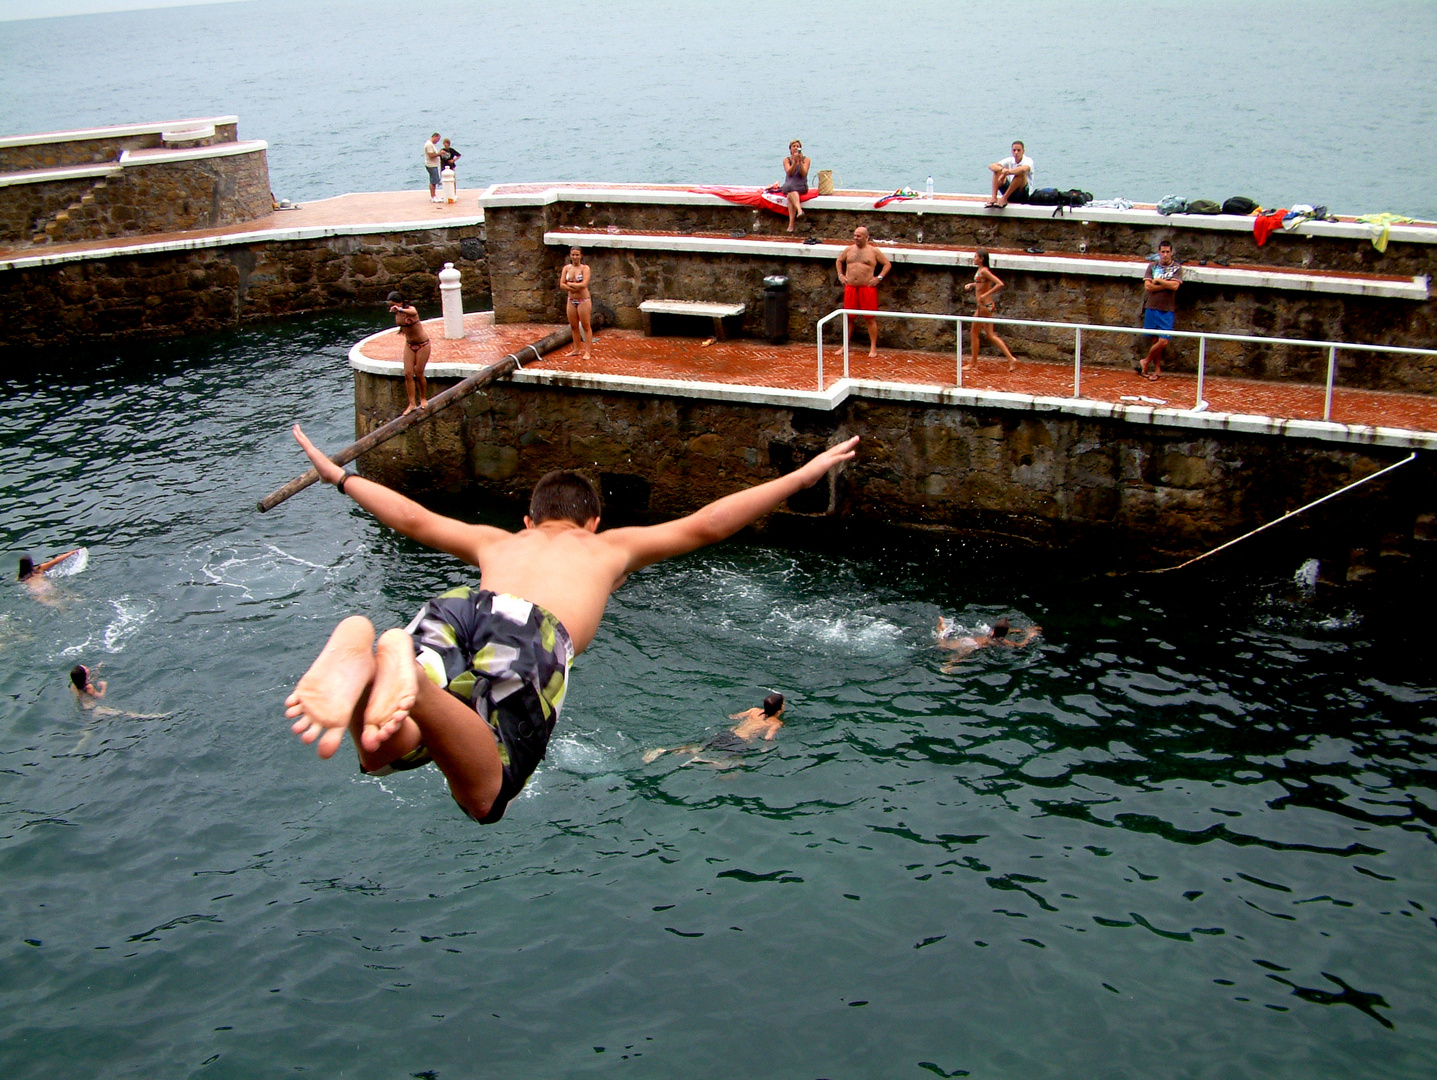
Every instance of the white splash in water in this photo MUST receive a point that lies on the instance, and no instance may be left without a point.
(130, 616)
(1306, 576)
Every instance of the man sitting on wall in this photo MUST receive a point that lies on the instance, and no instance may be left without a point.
(1012, 179)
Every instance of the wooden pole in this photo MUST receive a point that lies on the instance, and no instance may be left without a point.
(480, 379)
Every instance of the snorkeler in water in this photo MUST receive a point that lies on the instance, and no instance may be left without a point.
(965, 645)
(757, 723)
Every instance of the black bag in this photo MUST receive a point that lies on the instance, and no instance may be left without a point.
(1046, 196)
(1204, 206)
(1074, 197)
(1239, 204)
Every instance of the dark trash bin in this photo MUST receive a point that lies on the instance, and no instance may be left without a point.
(775, 308)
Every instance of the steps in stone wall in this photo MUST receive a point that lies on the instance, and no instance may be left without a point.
(81, 220)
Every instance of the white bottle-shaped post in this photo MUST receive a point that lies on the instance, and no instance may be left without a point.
(930, 187)
(452, 301)
(450, 184)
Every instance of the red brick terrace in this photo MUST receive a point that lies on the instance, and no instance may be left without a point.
(746, 362)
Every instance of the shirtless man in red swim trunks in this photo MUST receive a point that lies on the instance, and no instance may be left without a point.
(860, 268)
(416, 349)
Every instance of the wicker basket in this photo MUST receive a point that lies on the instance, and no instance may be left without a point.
(825, 181)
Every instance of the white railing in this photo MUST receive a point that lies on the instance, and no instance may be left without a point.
(1077, 328)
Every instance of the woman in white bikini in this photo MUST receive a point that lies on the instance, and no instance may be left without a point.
(574, 280)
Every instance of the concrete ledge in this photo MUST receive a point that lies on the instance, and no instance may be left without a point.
(116, 132)
(1287, 280)
(70, 172)
(234, 239)
(165, 155)
(961, 205)
(926, 394)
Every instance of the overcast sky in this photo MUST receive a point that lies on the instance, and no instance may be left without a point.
(11, 10)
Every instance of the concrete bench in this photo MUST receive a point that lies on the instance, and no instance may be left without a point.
(695, 308)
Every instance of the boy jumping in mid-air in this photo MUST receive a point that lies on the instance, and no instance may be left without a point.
(482, 695)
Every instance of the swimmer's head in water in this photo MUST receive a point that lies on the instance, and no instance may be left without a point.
(396, 298)
(27, 568)
(1001, 628)
(565, 495)
(80, 676)
(773, 705)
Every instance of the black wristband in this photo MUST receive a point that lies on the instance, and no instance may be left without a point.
(342, 481)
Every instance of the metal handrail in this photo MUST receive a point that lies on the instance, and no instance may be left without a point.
(1203, 337)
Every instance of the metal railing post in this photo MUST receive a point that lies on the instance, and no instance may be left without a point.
(958, 331)
(1078, 362)
(1331, 377)
(1202, 369)
(846, 322)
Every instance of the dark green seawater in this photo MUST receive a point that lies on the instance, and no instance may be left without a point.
(1189, 833)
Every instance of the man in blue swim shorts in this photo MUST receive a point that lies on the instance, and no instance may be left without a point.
(476, 683)
(1160, 300)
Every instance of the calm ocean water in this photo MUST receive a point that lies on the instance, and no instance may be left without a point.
(1190, 833)
(1312, 101)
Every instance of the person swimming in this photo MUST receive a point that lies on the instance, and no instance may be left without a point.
(32, 576)
(87, 691)
(757, 723)
(965, 645)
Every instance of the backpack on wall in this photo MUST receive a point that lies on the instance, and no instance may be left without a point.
(1046, 196)
(1076, 197)
(1239, 204)
(1172, 204)
(1204, 206)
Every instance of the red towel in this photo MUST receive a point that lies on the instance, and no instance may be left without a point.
(759, 197)
(1264, 225)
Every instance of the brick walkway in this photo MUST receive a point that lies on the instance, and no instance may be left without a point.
(793, 367)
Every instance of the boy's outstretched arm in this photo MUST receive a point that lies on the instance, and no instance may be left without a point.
(720, 519)
(401, 513)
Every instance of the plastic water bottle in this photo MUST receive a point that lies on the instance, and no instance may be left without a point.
(930, 187)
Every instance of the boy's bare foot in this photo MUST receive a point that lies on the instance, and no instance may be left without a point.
(394, 690)
(324, 700)
(409, 410)
(873, 351)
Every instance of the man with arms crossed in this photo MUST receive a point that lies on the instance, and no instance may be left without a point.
(1160, 301)
(431, 166)
(860, 268)
(482, 695)
(1012, 178)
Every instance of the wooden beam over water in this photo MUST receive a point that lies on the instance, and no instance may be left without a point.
(480, 379)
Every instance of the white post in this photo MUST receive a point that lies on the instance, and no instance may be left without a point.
(450, 183)
(846, 321)
(1331, 377)
(1078, 362)
(453, 302)
(958, 331)
(1202, 369)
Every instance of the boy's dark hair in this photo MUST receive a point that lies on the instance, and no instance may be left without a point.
(1165, 244)
(27, 567)
(980, 256)
(1001, 628)
(79, 676)
(772, 704)
(565, 495)
(396, 297)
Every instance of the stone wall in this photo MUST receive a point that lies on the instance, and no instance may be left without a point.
(63, 153)
(139, 200)
(213, 288)
(1126, 491)
(525, 270)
